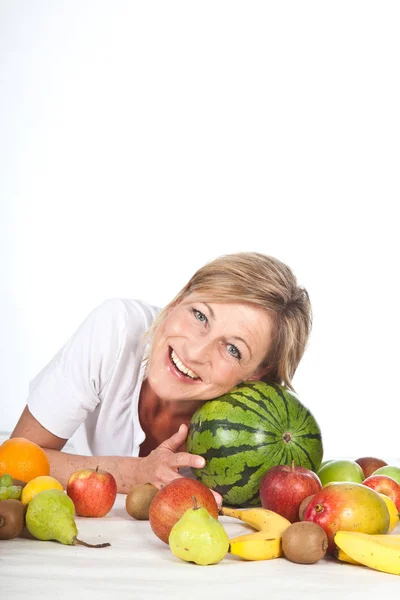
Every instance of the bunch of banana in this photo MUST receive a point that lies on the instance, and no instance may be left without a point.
(380, 552)
(263, 544)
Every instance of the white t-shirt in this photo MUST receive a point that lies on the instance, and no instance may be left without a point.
(90, 390)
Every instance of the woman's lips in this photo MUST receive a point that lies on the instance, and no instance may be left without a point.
(177, 373)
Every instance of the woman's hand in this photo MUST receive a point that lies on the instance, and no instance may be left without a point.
(162, 464)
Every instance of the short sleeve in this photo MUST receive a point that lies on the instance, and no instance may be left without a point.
(70, 386)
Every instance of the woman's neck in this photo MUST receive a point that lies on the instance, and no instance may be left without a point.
(159, 418)
(152, 405)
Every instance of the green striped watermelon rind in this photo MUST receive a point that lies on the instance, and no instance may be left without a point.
(238, 480)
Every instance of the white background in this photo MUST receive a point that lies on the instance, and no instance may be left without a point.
(139, 140)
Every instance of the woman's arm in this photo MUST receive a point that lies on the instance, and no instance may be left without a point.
(159, 467)
(63, 464)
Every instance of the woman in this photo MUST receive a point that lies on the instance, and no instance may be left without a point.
(129, 380)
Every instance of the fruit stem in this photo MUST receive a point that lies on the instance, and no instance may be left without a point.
(1, 521)
(77, 542)
(97, 468)
(293, 465)
(195, 503)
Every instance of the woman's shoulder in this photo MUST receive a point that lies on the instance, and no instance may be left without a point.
(126, 313)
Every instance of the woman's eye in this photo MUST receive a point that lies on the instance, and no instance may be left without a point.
(199, 315)
(234, 351)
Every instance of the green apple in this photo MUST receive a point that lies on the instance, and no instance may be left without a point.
(389, 470)
(340, 470)
(325, 462)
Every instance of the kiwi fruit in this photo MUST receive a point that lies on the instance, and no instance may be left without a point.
(12, 518)
(303, 506)
(139, 499)
(304, 542)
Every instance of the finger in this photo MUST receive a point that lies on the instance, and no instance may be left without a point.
(184, 459)
(176, 440)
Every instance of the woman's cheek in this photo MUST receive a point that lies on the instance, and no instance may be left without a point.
(176, 325)
(228, 373)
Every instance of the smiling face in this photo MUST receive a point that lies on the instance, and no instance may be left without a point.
(203, 349)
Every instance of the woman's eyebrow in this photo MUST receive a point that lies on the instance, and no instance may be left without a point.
(210, 310)
(235, 337)
(245, 343)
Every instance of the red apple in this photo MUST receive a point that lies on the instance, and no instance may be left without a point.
(385, 485)
(283, 489)
(369, 464)
(92, 491)
(348, 506)
(173, 500)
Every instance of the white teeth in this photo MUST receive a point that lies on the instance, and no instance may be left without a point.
(179, 364)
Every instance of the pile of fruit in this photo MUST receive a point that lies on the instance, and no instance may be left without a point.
(38, 503)
(263, 453)
(299, 519)
(263, 447)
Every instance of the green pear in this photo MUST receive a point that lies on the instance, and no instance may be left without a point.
(198, 537)
(50, 516)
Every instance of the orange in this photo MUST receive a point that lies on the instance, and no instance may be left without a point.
(23, 459)
(43, 482)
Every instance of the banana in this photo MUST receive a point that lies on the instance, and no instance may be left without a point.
(261, 519)
(387, 539)
(393, 512)
(381, 553)
(342, 556)
(256, 546)
(263, 544)
(384, 538)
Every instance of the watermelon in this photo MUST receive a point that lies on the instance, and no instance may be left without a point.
(244, 433)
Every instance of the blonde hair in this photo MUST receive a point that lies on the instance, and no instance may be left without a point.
(254, 278)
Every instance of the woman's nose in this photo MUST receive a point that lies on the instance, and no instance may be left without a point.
(198, 350)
